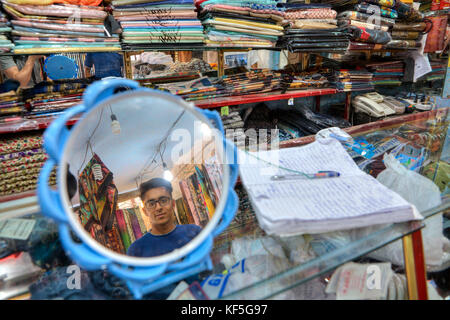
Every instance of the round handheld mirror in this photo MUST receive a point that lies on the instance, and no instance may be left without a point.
(144, 180)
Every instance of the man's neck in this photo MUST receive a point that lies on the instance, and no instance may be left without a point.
(162, 229)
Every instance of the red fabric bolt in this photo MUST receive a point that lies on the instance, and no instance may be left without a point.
(436, 37)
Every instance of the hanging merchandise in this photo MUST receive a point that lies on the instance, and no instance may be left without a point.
(98, 195)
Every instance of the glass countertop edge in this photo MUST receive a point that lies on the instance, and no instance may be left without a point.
(341, 254)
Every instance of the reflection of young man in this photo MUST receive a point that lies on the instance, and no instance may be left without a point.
(165, 235)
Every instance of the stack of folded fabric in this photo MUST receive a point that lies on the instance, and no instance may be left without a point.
(312, 28)
(235, 23)
(387, 73)
(147, 23)
(367, 32)
(21, 159)
(254, 81)
(438, 69)
(5, 44)
(195, 64)
(305, 80)
(45, 105)
(10, 106)
(67, 86)
(308, 122)
(352, 80)
(233, 124)
(407, 35)
(383, 24)
(59, 27)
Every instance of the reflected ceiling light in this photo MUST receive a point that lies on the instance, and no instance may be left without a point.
(167, 174)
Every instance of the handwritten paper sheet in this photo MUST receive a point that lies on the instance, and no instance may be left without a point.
(353, 199)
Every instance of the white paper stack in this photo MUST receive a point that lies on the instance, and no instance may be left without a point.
(297, 206)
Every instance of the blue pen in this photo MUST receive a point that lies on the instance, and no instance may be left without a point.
(340, 138)
(318, 175)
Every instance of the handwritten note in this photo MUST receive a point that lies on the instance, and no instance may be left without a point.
(294, 206)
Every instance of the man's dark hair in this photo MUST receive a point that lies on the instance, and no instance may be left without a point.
(155, 183)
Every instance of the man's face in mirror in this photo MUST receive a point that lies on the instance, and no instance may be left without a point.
(159, 207)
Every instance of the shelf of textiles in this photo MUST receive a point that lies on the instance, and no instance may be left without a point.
(34, 108)
(269, 127)
(21, 159)
(236, 88)
(134, 25)
(59, 28)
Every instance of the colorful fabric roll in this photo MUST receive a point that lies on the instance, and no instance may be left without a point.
(20, 143)
(39, 157)
(382, 11)
(363, 17)
(311, 14)
(384, 3)
(368, 35)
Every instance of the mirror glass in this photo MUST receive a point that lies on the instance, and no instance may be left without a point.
(144, 174)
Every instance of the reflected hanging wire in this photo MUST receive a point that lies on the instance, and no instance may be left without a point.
(146, 167)
(88, 142)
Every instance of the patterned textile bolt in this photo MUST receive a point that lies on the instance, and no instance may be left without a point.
(98, 195)
(20, 143)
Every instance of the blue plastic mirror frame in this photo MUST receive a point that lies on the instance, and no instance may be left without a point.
(140, 280)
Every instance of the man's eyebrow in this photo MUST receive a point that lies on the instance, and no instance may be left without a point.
(154, 199)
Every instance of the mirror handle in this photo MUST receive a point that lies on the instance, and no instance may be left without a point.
(56, 134)
(232, 204)
(80, 253)
(196, 256)
(229, 212)
(140, 274)
(49, 199)
(101, 90)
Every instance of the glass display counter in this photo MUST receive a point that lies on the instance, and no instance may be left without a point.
(247, 263)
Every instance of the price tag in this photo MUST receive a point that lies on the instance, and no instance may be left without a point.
(291, 102)
(224, 111)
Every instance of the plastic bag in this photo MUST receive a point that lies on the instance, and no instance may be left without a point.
(413, 187)
(424, 194)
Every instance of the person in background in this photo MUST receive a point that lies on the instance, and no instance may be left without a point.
(25, 70)
(106, 64)
(165, 235)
